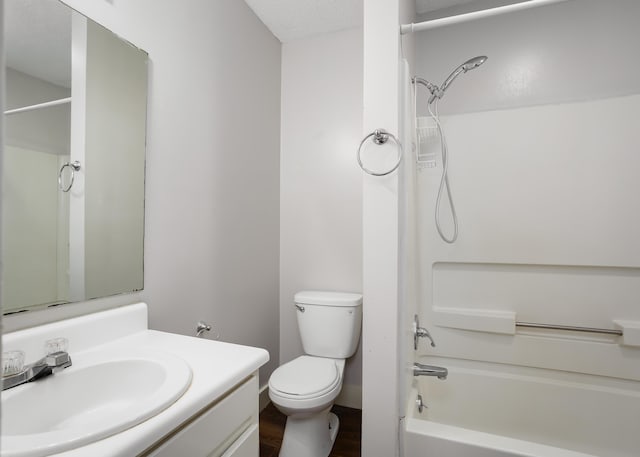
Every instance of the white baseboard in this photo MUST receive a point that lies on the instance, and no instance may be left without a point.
(350, 396)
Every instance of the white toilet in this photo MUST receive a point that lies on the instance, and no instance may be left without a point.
(305, 388)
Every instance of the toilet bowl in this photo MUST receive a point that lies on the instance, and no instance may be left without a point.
(305, 388)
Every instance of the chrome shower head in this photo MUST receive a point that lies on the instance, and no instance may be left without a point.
(473, 63)
(465, 67)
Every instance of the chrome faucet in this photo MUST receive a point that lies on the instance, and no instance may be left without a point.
(52, 363)
(420, 369)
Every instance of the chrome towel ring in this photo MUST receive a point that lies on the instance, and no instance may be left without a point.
(380, 136)
(75, 166)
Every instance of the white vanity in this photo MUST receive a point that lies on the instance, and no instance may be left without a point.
(132, 391)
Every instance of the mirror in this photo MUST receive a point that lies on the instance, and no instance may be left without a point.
(74, 155)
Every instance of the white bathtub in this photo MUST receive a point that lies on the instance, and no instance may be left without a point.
(486, 410)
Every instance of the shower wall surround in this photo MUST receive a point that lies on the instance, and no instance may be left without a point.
(212, 189)
(544, 172)
(576, 50)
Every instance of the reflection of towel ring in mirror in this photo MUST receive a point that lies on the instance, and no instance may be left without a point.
(75, 166)
(380, 136)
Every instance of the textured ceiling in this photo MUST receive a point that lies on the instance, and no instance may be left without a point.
(291, 20)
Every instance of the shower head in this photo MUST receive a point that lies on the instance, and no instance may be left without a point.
(473, 63)
(465, 67)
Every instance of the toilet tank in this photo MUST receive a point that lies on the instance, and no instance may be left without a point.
(329, 322)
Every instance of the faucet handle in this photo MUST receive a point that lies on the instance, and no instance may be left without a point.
(420, 332)
(56, 345)
(12, 362)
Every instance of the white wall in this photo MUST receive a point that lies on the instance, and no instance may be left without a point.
(2, 107)
(381, 370)
(212, 169)
(320, 190)
(545, 186)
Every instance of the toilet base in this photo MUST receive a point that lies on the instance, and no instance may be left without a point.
(310, 436)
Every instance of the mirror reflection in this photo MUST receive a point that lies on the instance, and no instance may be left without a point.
(73, 177)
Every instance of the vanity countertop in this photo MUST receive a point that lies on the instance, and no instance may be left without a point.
(216, 368)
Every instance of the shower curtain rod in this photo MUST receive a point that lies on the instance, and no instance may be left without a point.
(434, 23)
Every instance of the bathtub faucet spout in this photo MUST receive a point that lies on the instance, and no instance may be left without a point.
(420, 369)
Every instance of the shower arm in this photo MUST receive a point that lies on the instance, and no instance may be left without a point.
(430, 86)
(437, 92)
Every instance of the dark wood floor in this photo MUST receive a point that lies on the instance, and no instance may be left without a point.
(347, 442)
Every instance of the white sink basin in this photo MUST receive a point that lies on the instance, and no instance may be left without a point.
(88, 402)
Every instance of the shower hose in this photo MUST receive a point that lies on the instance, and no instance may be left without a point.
(444, 179)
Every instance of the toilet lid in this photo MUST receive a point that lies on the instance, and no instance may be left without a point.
(305, 376)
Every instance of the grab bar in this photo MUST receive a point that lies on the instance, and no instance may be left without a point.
(570, 328)
(507, 323)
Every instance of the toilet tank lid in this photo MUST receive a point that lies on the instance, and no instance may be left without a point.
(320, 297)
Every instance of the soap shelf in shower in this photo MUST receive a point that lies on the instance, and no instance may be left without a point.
(478, 320)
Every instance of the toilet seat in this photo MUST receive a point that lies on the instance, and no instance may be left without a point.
(305, 377)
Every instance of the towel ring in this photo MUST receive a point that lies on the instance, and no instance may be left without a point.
(75, 166)
(380, 136)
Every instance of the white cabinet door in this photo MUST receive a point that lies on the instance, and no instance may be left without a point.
(248, 445)
(219, 429)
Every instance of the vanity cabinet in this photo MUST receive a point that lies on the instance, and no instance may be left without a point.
(217, 415)
(226, 428)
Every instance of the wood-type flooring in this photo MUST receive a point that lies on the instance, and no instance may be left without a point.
(347, 442)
